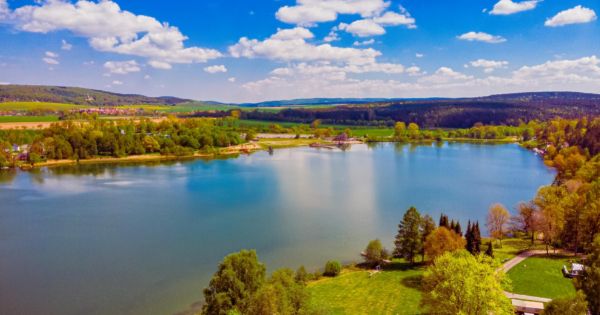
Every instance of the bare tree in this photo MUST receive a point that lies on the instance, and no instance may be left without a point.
(497, 219)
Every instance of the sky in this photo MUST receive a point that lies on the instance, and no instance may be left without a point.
(248, 51)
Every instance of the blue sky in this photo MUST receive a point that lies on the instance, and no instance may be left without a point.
(238, 51)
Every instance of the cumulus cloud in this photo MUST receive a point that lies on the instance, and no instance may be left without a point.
(581, 74)
(576, 15)
(506, 7)
(482, 37)
(50, 58)
(419, 55)
(282, 47)
(108, 28)
(488, 66)
(117, 82)
(159, 65)
(216, 69)
(122, 67)
(375, 26)
(232, 79)
(363, 28)
(51, 54)
(65, 45)
(309, 12)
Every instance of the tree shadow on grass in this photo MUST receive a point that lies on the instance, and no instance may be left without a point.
(413, 282)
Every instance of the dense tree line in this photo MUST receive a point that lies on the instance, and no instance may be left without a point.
(98, 138)
(432, 114)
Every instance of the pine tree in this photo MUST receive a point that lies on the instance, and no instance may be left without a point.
(408, 241)
(476, 236)
(469, 238)
(444, 221)
(458, 228)
(427, 227)
(490, 250)
(452, 225)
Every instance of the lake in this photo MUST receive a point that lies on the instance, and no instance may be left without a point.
(145, 239)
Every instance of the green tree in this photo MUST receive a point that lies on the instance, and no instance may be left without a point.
(408, 240)
(427, 227)
(301, 275)
(460, 283)
(375, 253)
(590, 281)
(281, 294)
(238, 277)
(400, 131)
(490, 250)
(575, 305)
(332, 268)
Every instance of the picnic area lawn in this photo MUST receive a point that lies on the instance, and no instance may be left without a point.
(542, 276)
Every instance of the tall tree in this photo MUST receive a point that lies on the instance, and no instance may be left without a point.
(427, 227)
(527, 219)
(408, 241)
(497, 219)
(444, 221)
(476, 234)
(238, 277)
(590, 281)
(375, 253)
(460, 283)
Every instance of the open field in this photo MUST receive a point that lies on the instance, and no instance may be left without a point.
(396, 290)
(19, 119)
(30, 106)
(541, 276)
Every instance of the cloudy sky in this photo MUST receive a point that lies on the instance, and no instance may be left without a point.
(240, 50)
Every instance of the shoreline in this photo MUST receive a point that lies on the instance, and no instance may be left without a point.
(246, 148)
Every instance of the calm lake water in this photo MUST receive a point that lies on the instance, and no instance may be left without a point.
(145, 239)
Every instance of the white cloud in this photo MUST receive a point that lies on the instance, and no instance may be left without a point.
(363, 28)
(122, 67)
(216, 69)
(375, 26)
(117, 82)
(506, 7)
(332, 36)
(419, 55)
(445, 75)
(414, 71)
(576, 15)
(65, 45)
(110, 29)
(232, 79)
(298, 49)
(364, 42)
(50, 58)
(309, 12)
(482, 37)
(394, 19)
(147, 77)
(293, 33)
(579, 75)
(488, 66)
(51, 54)
(4, 10)
(160, 65)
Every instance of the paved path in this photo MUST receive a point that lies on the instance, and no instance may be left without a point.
(515, 261)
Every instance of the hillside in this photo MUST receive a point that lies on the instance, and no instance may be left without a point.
(79, 96)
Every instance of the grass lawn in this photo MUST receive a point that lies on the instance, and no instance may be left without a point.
(542, 276)
(392, 291)
(12, 119)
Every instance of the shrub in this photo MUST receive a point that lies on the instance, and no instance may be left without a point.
(332, 268)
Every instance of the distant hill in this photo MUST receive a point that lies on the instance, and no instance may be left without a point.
(328, 101)
(79, 96)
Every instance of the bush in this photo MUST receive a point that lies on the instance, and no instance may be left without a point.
(332, 268)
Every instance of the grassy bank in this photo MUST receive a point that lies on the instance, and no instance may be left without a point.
(18, 119)
(395, 290)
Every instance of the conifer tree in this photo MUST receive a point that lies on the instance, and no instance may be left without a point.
(490, 250)
(408, 241)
